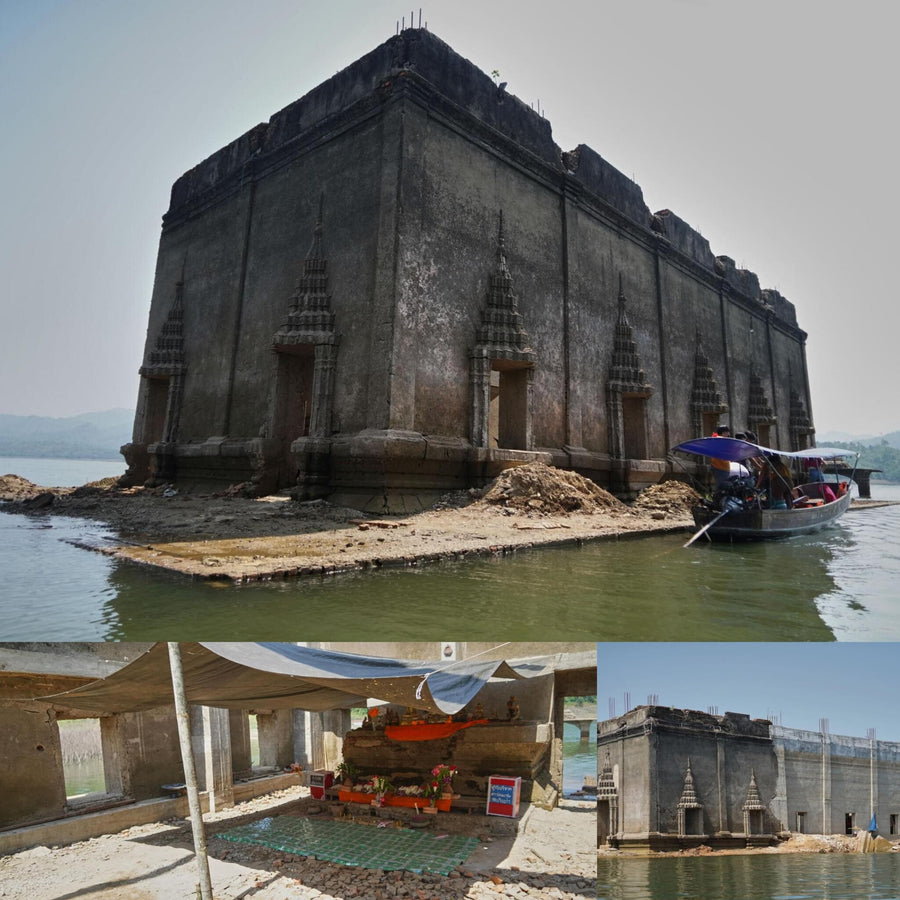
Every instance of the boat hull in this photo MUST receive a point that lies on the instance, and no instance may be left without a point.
(767, 524)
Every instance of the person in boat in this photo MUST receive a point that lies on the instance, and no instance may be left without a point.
(755, 466)
(775, 478)
(815, 469)
(721, 467)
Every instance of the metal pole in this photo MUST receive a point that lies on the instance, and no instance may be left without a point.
(190, 773)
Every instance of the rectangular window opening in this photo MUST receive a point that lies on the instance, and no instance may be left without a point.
(82, 758)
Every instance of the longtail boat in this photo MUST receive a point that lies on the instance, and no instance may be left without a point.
(737, 510)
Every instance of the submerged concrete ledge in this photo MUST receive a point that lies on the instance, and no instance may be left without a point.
(267, 559)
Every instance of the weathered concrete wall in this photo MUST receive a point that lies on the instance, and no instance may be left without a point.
(31, 776)
(152, 755)
(826, 777)
(830, 776)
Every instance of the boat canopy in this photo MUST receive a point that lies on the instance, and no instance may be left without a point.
(735, 450)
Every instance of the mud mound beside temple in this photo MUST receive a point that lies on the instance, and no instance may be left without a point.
(667, 497)
(537, 487)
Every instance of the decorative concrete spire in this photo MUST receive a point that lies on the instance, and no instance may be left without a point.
(753, 801)
(606, 786)
(310, 319)
(625, 372)
(167, 358)
(705, 396)
(502, 334)
(688, 794)
(760, 412)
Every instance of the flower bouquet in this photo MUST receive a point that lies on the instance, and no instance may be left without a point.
(444, 775)
(381, 784)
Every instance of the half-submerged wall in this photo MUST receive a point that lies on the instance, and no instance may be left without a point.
(400, 285)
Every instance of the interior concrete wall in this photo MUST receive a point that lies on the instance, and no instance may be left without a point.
(31, 777)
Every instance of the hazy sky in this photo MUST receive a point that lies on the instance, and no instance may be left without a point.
(768, 126)
(853, 685)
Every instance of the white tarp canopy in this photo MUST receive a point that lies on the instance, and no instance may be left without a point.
(241, 675)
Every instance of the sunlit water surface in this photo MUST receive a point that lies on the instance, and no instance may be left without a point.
(838, 584)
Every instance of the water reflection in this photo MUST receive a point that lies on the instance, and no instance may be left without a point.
(649, 589)
(753, 877)
(837, 583)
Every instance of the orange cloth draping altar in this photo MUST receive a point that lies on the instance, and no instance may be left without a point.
(427, 732)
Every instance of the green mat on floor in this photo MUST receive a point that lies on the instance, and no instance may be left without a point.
(357, 845)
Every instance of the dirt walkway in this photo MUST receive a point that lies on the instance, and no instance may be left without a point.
(553, 856)
(227, 536)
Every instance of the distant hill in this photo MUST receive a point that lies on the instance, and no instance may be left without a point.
(96, 435)
(867, 440)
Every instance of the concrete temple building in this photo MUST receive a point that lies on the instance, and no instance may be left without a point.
(400, 285)
(676, 778)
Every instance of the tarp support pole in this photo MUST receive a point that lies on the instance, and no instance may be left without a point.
(190, 773)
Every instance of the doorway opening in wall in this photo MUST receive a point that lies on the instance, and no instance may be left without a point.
(709, 423)
(801, 823)
(634, 425)
(763, 435)
(82, 758)
(693, 821)
(604, 826)
(848, 823)
(293, 403)
(756, 821)
(895, 822)
(155, 417)
(508, 417)
(579, 746)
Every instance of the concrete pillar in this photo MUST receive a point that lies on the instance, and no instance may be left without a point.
(873, 776)
(335, 724)
(276, 741)
(653, 787)
(217, 763)
(302, 728)
(779, 803)
(827, 827)
(239, 726)
(721, 787)
(115, 766)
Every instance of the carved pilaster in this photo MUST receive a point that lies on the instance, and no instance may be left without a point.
(626, 378)
(689, 801)
(753, 808)
(502, 339)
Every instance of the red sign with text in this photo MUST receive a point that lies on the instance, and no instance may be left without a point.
(503, 795)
